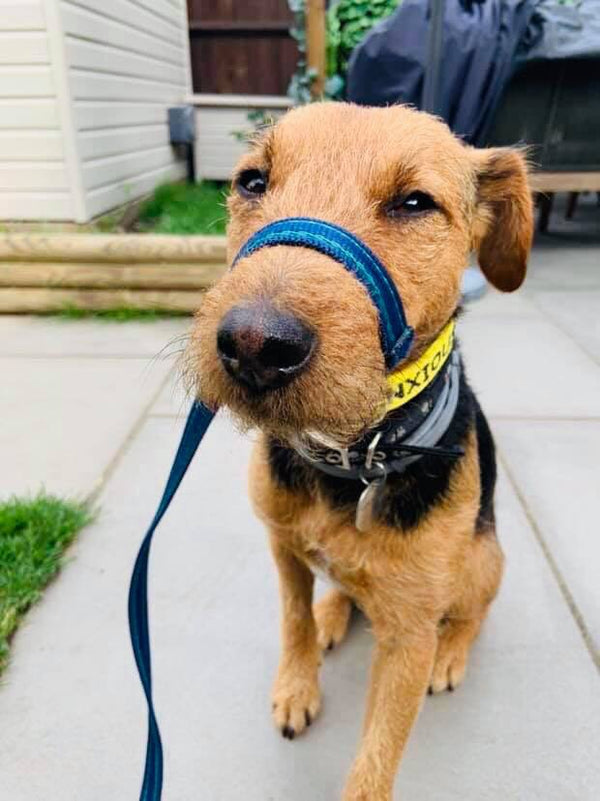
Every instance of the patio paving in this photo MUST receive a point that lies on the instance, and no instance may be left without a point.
(72, 394)
(524, 727)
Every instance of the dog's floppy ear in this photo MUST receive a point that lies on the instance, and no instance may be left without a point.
(503, 227)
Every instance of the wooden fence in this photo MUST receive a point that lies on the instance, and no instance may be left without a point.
(242, 48)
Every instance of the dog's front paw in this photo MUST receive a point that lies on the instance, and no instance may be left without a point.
(296, 701)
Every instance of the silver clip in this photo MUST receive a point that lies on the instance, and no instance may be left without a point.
(371, 450)
(327, 442)
(345, 458)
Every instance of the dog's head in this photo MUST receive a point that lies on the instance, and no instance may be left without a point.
(289, 339)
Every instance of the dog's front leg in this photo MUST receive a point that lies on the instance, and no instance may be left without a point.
(399, 679)
(296, 695)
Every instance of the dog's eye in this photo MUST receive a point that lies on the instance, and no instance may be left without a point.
(415, 203)
(251, 183)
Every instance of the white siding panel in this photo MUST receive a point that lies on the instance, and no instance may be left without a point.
(99, 144)
(33, 176)
(31, 146)
(115, 194)
(95, 86)
(177, 4)
(22, 15)
(23, 48)
(217, 148)
(84, 85)
(26, 82)
(36, 206)
(98, 28)
(94, 115)
(115, 61)
(123, 168)
(127, 63)
(128, 12)
(162, 9)
(28, 114)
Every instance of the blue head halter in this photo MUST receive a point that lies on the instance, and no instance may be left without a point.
(357, 258)
(396, 339)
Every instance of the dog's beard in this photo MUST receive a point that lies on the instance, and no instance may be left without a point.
(278, 417)
(293, 411)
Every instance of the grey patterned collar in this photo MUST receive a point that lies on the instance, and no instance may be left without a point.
(390, 448)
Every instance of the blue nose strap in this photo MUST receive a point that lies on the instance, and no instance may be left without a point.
(347, 249)
(396, 339)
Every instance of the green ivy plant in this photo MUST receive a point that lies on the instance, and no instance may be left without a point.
(348, 21)
(302, 79)
(258, 119)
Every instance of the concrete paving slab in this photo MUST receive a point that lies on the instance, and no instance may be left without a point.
(22, 335)
(174, 400)
(528, 368)
(566, 263)
(65, 419)
(524, 726)
(555, 465)
(494, 303)
(504, 738)
(576, 313)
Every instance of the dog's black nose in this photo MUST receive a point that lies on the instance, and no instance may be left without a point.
(262, 347)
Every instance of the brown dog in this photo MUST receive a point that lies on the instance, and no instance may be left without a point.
(289, 341)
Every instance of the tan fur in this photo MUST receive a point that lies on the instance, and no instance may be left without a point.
(332, 617)
(426, 592)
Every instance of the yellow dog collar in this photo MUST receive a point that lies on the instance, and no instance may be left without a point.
(408, 382)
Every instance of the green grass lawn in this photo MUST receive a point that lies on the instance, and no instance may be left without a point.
(185, 209)
(34, 534)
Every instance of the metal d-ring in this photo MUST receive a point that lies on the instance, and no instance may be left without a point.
(367, 481)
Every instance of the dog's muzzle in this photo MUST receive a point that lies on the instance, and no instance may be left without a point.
(352, 253)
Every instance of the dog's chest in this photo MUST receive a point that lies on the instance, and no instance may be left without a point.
(333, 552)
(321, 563)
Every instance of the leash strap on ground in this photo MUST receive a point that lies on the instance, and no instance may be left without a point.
(199, 419)
(357, 258)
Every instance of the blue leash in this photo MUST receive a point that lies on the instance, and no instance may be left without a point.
(197, 424)
(396, 339)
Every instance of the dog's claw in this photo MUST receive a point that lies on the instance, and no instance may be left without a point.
(296, 701)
